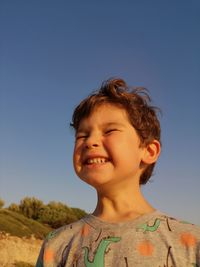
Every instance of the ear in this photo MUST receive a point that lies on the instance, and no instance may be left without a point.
(151, 152)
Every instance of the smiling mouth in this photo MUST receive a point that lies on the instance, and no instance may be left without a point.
(96, 161)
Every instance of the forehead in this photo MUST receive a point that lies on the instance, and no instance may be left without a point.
(105, 114)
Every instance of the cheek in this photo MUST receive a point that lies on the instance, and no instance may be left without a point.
(75, 157)
(77, 151)
(77, 167)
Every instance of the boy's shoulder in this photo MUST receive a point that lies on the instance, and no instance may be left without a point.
(171, 225)
(66, 232)
(177, 222)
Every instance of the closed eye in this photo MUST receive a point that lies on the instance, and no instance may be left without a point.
(81, 136)
(111, 130)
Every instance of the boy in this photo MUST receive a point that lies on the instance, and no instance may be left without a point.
(117, 145)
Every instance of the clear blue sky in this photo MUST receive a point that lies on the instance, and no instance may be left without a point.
(54, 53)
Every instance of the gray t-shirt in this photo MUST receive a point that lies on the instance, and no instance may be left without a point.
(151, 240)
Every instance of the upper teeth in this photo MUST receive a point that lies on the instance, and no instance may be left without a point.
(96, 160)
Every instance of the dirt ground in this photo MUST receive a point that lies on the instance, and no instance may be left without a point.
(14, 249)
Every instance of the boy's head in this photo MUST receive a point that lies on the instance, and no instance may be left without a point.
(135, 102)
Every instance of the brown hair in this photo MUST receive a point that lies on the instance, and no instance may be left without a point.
(135, 101)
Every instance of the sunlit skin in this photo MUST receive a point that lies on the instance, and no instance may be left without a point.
(116, 160)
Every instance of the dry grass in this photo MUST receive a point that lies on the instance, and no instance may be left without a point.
(18, 252)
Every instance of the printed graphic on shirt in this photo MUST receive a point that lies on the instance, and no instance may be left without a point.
(149, 228)
(39, 264)
(98, 260)
(51, 235)
(145, 248)
(89, 245)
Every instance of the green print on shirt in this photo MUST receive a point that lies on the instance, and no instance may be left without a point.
(150, 228)
(98, 260)
(51, 235)
(39, 264)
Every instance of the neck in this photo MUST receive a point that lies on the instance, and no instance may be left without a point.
(116, 205)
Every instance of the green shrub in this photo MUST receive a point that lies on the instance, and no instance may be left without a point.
(30, 207)
(14, 207)
(2, 203)
(79, 213)
(56, 214)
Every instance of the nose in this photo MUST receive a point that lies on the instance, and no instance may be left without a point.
(92, 141)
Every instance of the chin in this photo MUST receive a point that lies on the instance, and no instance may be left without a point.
(95, 182)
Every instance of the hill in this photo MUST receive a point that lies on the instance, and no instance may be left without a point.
(20, 239)
(18, 225)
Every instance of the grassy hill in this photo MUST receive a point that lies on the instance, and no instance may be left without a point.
(18, 225)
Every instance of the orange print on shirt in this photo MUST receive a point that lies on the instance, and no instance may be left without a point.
(48, 255)
(145, 248)
(188, 240)
(85, 230)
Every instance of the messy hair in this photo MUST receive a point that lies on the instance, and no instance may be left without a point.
(135, 101)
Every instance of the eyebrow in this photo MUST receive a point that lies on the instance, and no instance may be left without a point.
(112, 124)
(106, 124)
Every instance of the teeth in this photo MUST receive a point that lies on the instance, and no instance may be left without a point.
(96, 160)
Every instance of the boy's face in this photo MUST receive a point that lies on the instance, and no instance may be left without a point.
(107, 148)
